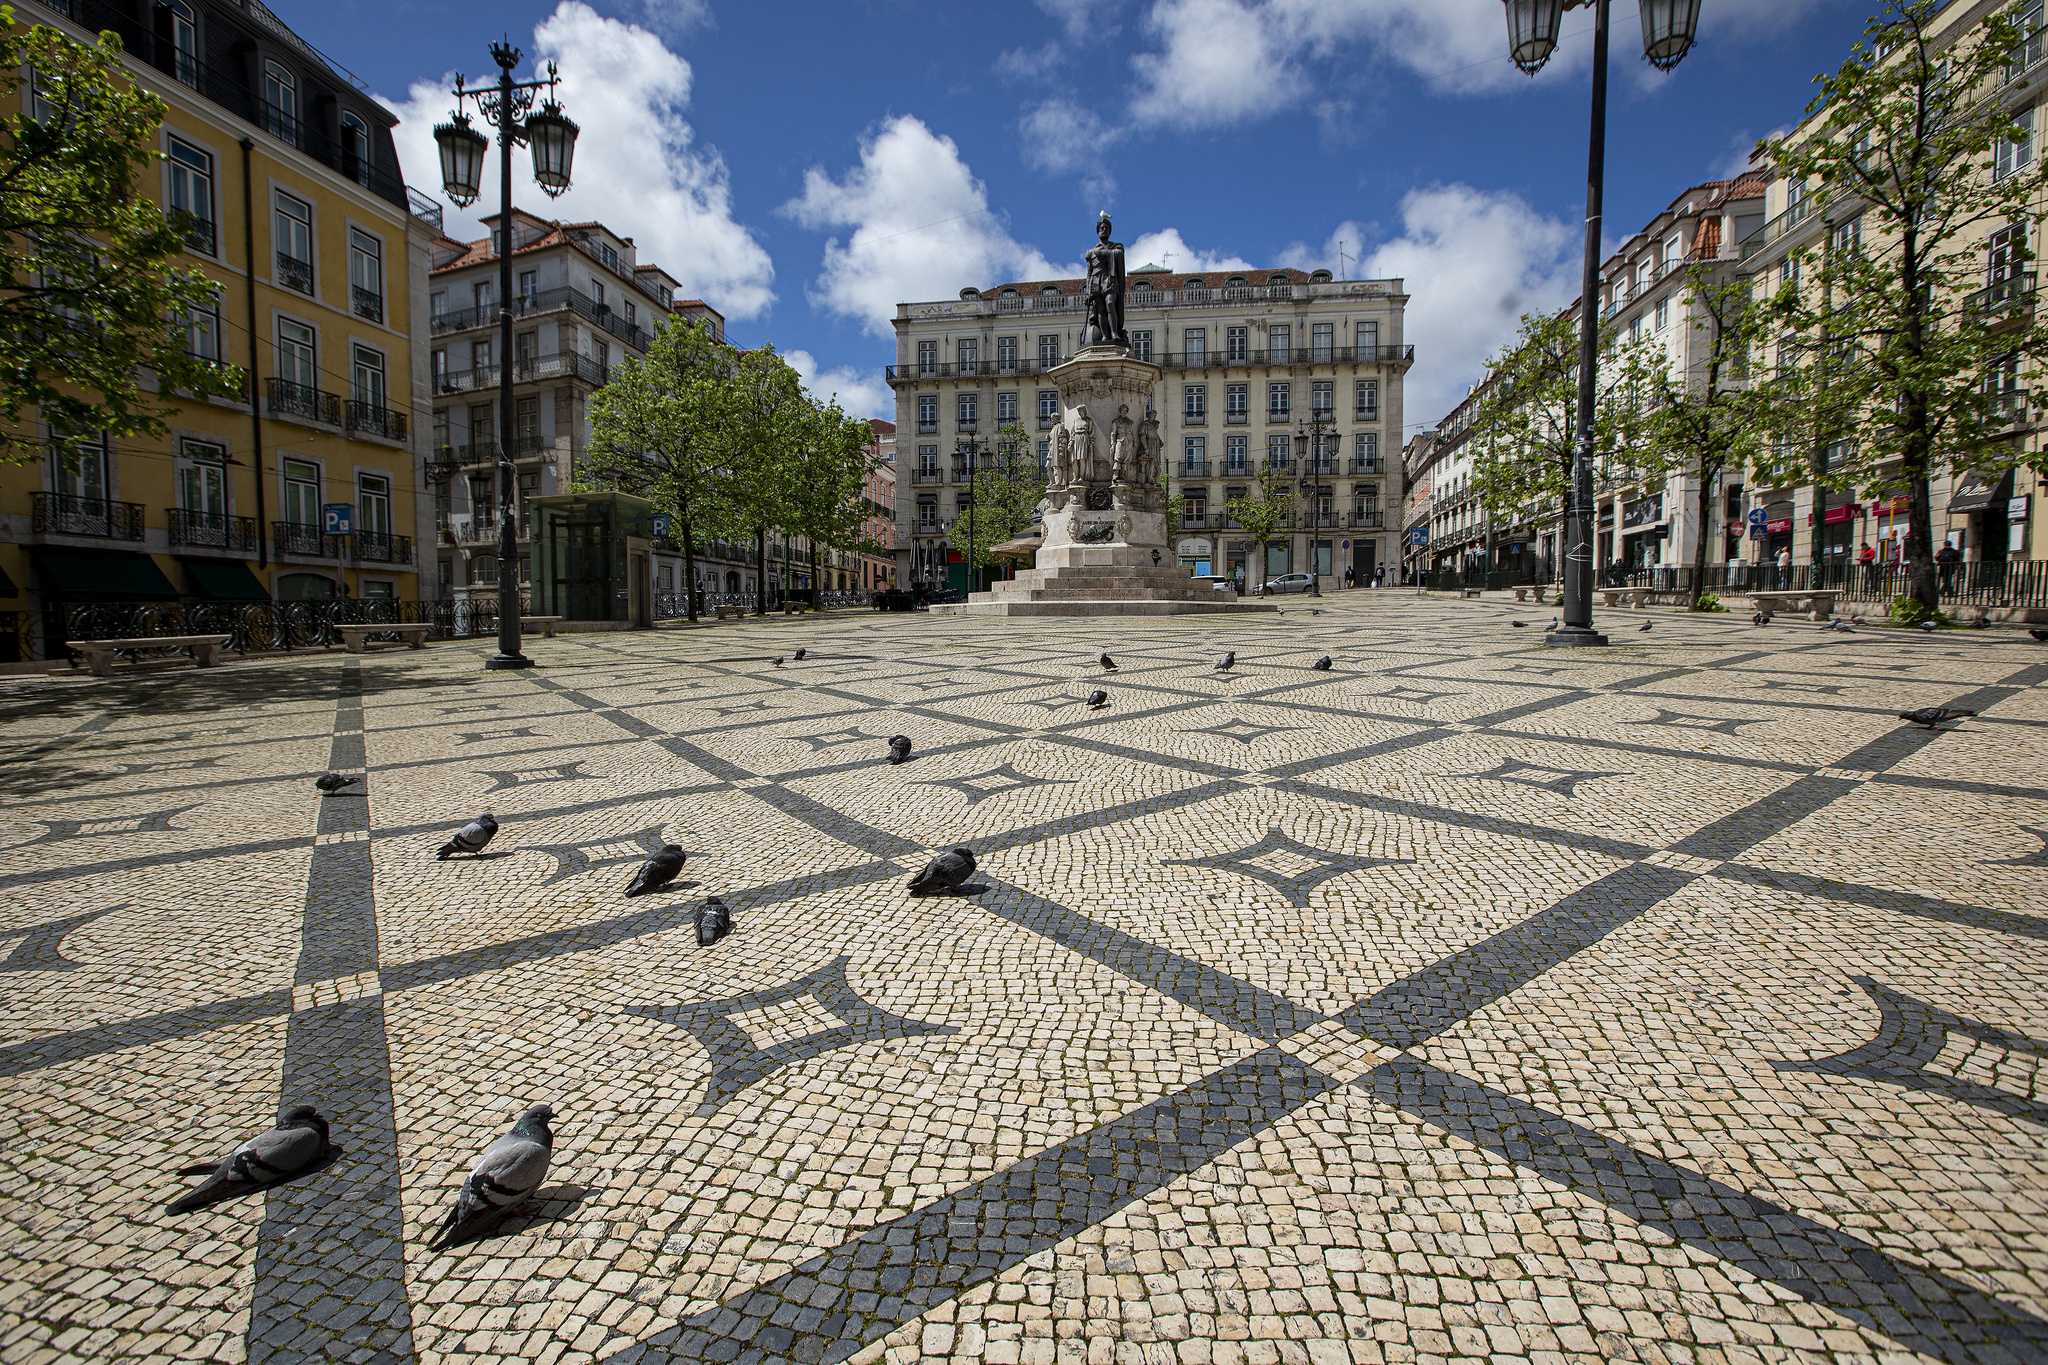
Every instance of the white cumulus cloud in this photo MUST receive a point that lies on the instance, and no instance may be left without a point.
(638, 169)
(862, 393)
(1166, 247)
(916, 223)
(1473, 261)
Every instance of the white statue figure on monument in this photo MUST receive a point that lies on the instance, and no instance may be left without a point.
(1062, 456)
(1149, 449)
(1120, 432)
(1084, 445)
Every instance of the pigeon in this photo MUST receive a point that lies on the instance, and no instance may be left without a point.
(1929, 627)
(1840, 627)
(1097, 699)
(657, 871)
(509, 1170)
(1646, 625)
(471, 838)
(713, 920)
(777, 661)
(1108, 664)
(1322, 665)
(298, 1141)
(899, 748)
(1762, 618)
(1315, 611)
(1518, 625)
(1934, 716)
(1980, 623)
(799, 655)
(2041, 635)
(1227, 662)
(943, 875)
(330, 783)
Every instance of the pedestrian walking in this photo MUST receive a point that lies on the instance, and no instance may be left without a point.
(1948, 556)
(1350, 576)
(1785, 569)
(1867, 557)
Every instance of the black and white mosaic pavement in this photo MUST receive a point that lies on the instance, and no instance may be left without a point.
(1465, 1002)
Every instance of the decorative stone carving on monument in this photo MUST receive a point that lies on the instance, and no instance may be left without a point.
(1099, 534)
(1123, 527)
(1084, 447)
(1120, 433)
(1105, 291)
(1062, 456)
(1149, 448)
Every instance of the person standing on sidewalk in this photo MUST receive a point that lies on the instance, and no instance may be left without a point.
(1785, 569)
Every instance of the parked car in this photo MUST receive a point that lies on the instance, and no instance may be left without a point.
(1290, 582)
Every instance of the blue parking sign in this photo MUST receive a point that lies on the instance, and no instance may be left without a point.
(338, 518)
(661, 526)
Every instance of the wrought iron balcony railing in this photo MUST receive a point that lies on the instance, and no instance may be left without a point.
(304, 403)
(66, 515)
(293, 273)
(297, 538)
(377, 547)
(375, 420)
(210, 530)
(368, 303)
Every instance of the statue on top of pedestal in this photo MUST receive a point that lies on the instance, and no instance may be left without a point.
(1105, 291)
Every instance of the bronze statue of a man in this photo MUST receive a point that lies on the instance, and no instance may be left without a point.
(1105, 291)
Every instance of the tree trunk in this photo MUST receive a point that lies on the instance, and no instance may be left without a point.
(760, 571)
(1699, 549)
(816, 586)
(689, 573)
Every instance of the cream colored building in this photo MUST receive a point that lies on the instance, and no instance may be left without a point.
(1252, 360)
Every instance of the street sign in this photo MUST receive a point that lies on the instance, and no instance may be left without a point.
(1418, 535)
(661, 526)
(1757, 516)
(338, 518)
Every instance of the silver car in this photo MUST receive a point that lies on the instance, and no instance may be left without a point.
(1290, 582)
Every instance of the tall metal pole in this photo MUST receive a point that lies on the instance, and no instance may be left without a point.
(1579, 569)
(508, 655)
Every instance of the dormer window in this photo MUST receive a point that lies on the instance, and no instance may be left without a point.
(1319, 277)
(1235, 279)
(1049, 289)
(1194, 282)
(1009, 292)
(1276, 279)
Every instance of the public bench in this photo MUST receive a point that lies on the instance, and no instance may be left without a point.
(547, 624)
(100, 654)
(1468, 592)
(722, 612)
(1820, 604)
(355, 638)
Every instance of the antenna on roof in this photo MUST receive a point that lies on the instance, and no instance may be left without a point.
(1340, 260)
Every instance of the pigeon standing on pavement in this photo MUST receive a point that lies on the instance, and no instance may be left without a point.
(799, 655)
(330, 783)
(1980, 623)
(658, 871)
(298, 1141)
(2039, 634)
(1929, 627)
(1108, 664)
(1227, 662)
(1097, 699)
(1322, 665)
(509, 1170)
(944, 874)
(899, 748)
(1553, 623)
(1840, 627)
(471, 838)
(1934, 717)
(777, 661)
(1645, 626)
(713, 920)
(1518, 624)
(1760, 619)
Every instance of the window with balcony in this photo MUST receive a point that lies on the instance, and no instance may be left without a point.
(1141, 345)
(1194, 341)
(480, 358)
(1006, 408)
(184, 44)
(191, 174)
(1194, 403)
(1194, 457)
(529, 285)
(202, 333)
(370, 393)
(1048, 406)
(1280, 345)
(79, 469)
(928, 411)
(1663, 312)
(1322, 397)
(526, 352)
(301, 506)
(1236, 402)
(1048, 350)
(928, 359)
(1237, 343)
(1279, 401)
(967, 411)
(968, 353)
(366, 275)
(1006, 354)
(280, 102)
(1365, 452)
(2011, 156)
(1237, 455)
(1368, 334)
(295, 354)
(293, 230)
(1368, 400)
(373, 505)
(355, 148)
(1323, 342)
(1279, 452)
(202, 489)
(1194, 510)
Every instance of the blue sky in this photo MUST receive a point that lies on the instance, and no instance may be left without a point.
(806, 166)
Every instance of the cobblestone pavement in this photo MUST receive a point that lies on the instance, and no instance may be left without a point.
(1465, 1002)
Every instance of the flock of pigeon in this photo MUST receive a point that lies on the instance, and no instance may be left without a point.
(511, 1169)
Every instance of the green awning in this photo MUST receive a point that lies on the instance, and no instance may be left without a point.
(224, 580)
(101, 576)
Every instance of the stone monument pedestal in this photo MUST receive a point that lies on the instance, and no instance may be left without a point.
(1104, 512)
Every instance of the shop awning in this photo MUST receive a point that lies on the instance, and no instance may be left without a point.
(101, 576)
(224, 580)
(1977, 492)
(1023, 547)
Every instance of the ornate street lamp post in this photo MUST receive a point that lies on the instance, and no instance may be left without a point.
(1668, 30)
(507, 107)
(1310, 446)
(971, 449)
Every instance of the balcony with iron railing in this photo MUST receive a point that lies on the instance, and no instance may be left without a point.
(368, 303)
(210, 530)
(1366, 520)
(295, 274)
(1368, 464)
(297, 538)
(2009, 406)
(302, 403)
(525, 370)
(366, 418)
(1194, 468)
(2014, 293)
(926, 476)
(379, 547)
(1171, 360)
(1191, 521)
(536, 304)
(1237, 417)
(198, 234)
(63, 514)
(485, 453)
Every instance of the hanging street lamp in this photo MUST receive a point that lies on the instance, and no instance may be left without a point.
(507, 107)
(1669, 27)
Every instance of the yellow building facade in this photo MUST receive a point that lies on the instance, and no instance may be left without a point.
(310, 488)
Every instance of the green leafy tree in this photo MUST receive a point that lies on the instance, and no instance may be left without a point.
(826, 501)
(1008, 485)
(760, 443)
(1263, 512)
(1898, 343)
(1706, 419)
(91, 304)
(653, 429)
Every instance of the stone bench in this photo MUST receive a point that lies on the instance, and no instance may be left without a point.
(1820, 604)
(734, 613)
(1522, 593)
(1468, 592)
(355, 638)
(795, 607)
(547, 624)
(99, 654)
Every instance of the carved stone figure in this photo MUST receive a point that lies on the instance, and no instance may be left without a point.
(1098, 534)
(1105, 291)
(1149, 450)
(1062, 457)
(1084, 446)
(1123, 527)
(1120, 433)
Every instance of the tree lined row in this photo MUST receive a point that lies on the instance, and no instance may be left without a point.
(1874, 359)
(728, 443)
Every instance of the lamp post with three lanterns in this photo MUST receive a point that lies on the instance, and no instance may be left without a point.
(508, 107)
(1668, 30)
